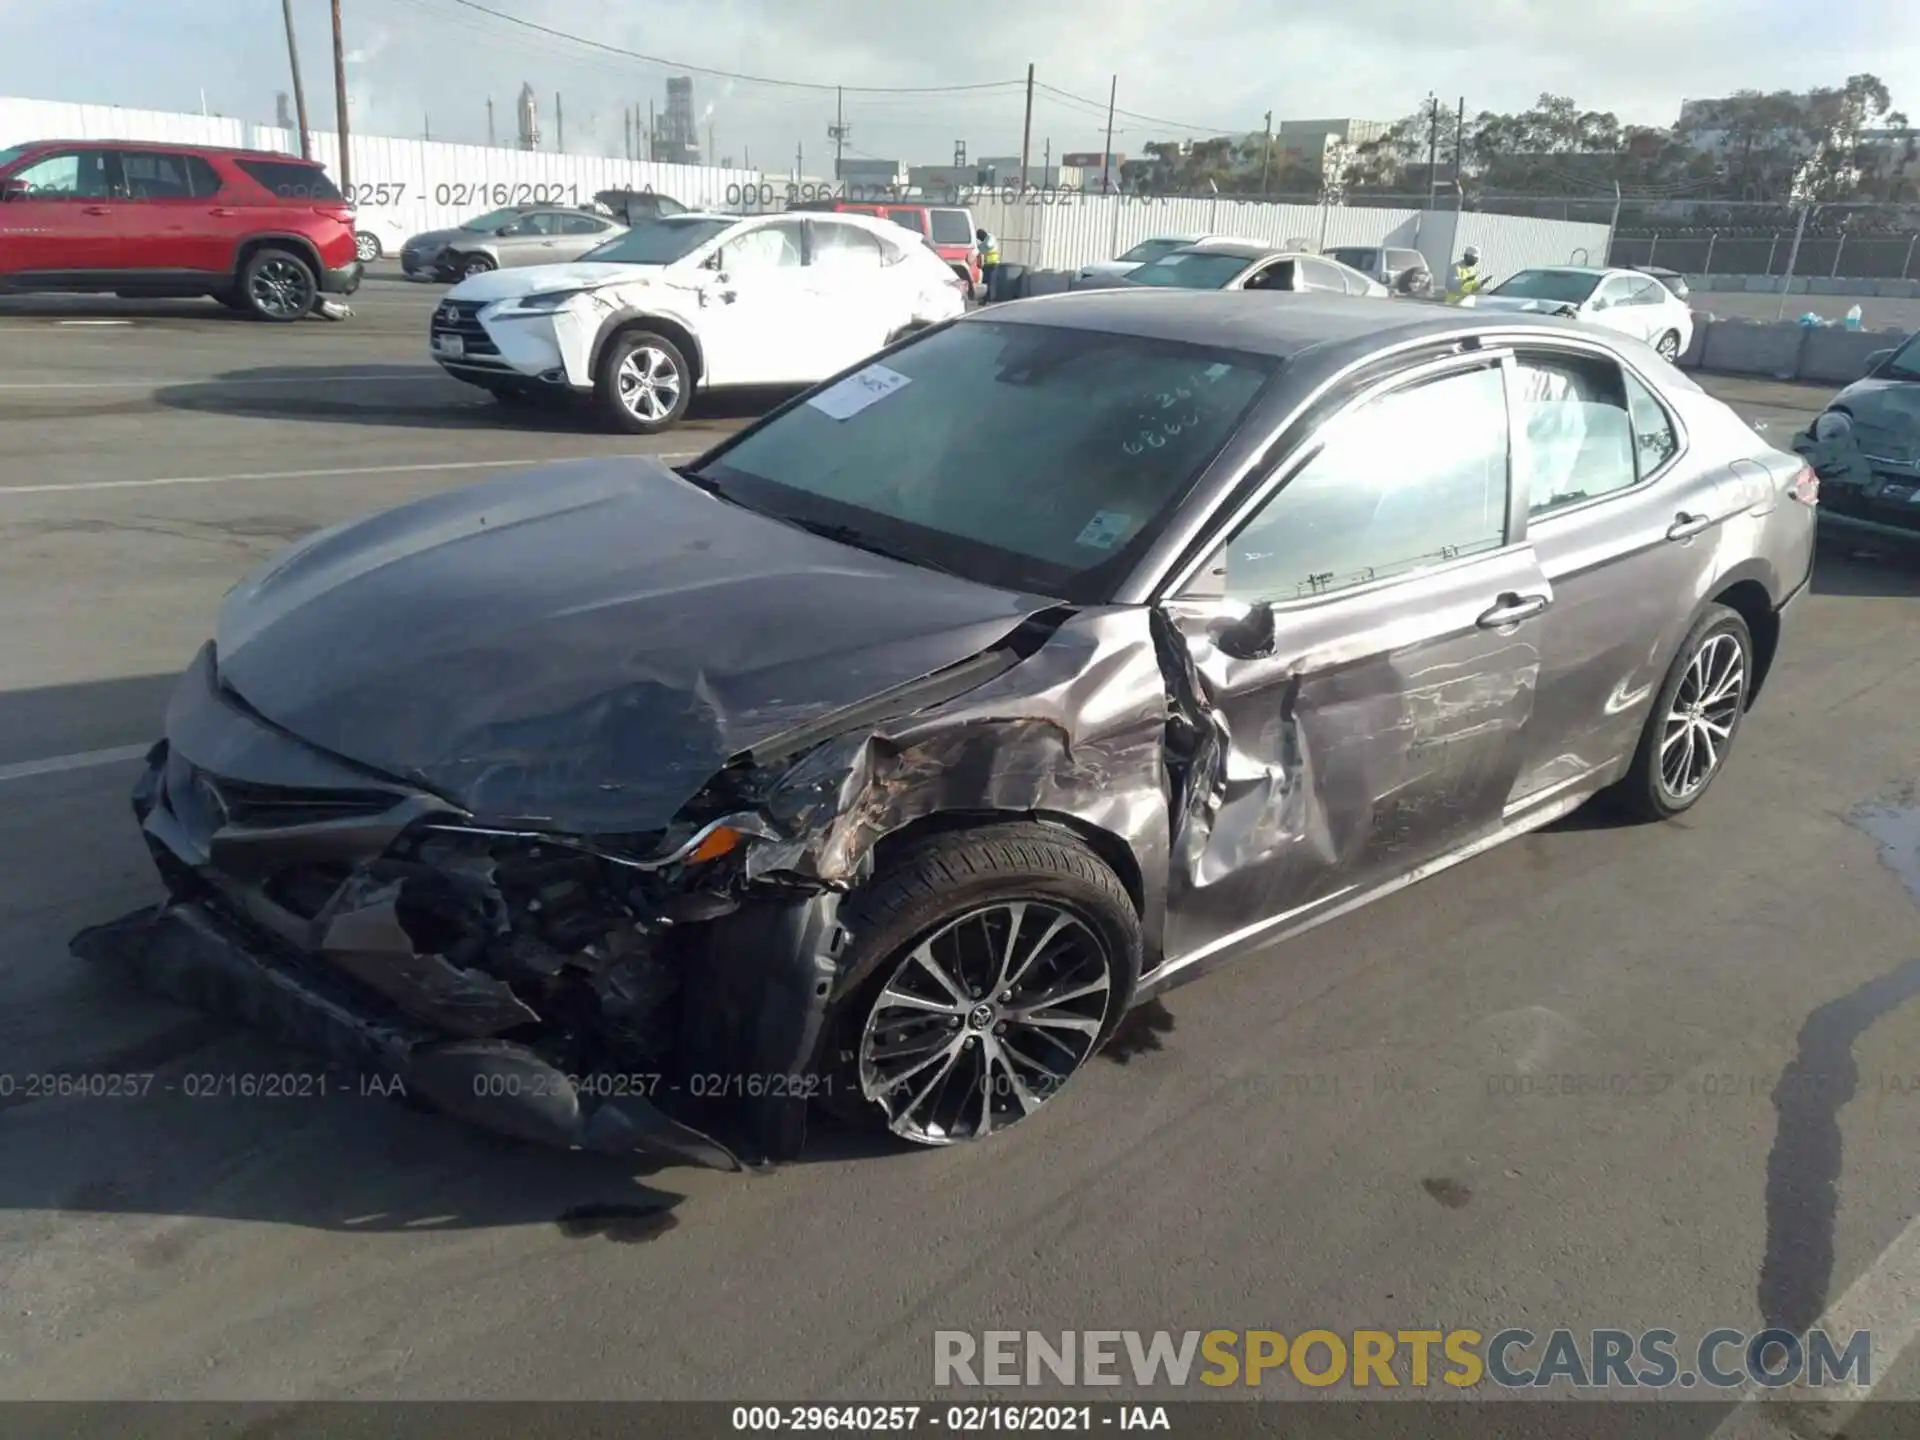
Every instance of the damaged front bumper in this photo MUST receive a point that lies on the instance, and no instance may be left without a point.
(524, 982)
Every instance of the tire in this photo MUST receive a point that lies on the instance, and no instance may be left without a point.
(366, 248)
(908, 1052)
(620, 385)
(1649, 790)
(473, 265)
(1668, 347)
(277, 286)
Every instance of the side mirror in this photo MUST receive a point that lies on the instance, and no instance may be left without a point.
(508, 230)
(1250, 637)
(1877, 359)
(14, 189)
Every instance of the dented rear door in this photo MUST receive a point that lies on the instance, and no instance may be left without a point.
(1378, 722)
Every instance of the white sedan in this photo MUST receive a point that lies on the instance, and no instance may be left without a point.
(1629, 301)
(694, 302)
(1105, 272)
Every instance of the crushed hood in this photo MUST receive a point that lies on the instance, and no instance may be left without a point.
(517, 280)
(1482, 300)
(582, 646)
(1886, 417)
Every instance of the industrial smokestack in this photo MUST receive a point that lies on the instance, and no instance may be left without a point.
(529, 108)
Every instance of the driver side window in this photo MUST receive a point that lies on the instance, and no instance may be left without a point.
(1412, 478)
(70, 175)
(771, 247)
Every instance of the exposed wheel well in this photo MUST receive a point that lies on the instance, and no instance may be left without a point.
(1109, 847)
(1750, 600)
(682, 339)
(303, 248)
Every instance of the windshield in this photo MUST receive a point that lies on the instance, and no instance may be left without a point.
(1567, 286)
(1021, 456)
(1148, 251)
(12, 153)
(660, 242)
(1191, 270)
(1358, 259)
(1905, 363)
(491, 221)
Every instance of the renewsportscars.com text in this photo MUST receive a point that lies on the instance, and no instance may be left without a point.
(1458, 1359)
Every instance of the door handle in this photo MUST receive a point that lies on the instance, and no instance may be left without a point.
(1686, 526)
(223, 211)
(96, 210)
(1511, 609)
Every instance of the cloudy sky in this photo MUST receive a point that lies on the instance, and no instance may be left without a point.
(419, 66)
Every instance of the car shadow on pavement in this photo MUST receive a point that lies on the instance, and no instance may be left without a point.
(421, 396)
(105, 307)
(1846, 566)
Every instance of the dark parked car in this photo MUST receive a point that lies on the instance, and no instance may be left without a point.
(853, 766)
(263, 233)
(1866, 448)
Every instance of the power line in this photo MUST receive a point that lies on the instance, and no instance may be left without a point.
(731, 74)
(1099, 108)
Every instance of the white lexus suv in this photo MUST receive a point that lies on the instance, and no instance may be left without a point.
(690, 302)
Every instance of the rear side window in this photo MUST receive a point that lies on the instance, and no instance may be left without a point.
(290, 180)
(202, 176)
(953, 227)
(912, 219)
(155, 175)
(1358, 259)
(1406, 260)
(1576, 436)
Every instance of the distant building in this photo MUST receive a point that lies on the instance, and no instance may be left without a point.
(1004, 170)
(528, 110)
(1305, 142)
(676, 135)
(872, 173)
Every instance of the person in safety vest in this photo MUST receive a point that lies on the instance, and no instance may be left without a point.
(989, 257)
(1466, 276)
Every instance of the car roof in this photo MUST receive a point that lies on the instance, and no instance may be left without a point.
(1335, 329)
(188, 146)
(1593, 270)
(1239, 249)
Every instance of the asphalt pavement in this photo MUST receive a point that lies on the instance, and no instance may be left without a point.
(1541, 1089)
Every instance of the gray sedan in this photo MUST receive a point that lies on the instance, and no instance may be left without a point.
(1231, 266)
(501, 239)
(888, 753)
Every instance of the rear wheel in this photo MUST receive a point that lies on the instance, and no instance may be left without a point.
(643, 384)
(278, 285)
(987, 967)
(1694, 719)
(366, 248)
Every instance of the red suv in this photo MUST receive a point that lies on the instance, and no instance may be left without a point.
(262, 233)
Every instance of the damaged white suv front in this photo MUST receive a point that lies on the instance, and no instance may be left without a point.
(694, 302)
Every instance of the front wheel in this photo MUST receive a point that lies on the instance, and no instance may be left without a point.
(987, 967)
(1695, 718)
(643, 384)
(472, 265)
(1668, 346)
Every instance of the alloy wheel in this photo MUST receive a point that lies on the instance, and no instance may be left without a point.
(366, 249)
(649, 384)
(1699, 724)
(984, 1020)
(282, 289)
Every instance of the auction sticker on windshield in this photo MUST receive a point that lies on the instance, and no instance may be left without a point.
(858, 391)
(1105, 529)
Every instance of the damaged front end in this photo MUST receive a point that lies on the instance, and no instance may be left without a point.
(624, 993)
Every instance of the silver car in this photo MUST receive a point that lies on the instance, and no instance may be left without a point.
(1220, 265)
(502, 239)
(907, 738)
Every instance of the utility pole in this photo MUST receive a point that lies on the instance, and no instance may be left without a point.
(713, 146)
(426, 127)
(837, 132)
(1106, 152)
(559, 127)
(340, 102)
(626, 127)
(1266, 154)
(1460, 157)
(489, 122)
(299, 90)
(651, 132)
(1026, 131)
(1433, 148)
(799, 161)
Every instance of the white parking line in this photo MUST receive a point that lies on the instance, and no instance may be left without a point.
(173, 380)
(1884, 1300)
(528, 462)
(84, 760)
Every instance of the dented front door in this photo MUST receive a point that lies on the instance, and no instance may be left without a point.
(1377, 722)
